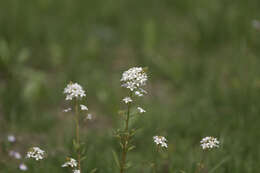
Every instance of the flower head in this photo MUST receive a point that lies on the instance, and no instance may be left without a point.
(74, 90)
(209, 143)
(11, 138)
(76, 171)
(67, 110)
(23, 167)
(141, 110)
(83, 107)
(36, 153)
(89, 117)
(160, 140)
(127, 100)
(134, 79)
(70, 163)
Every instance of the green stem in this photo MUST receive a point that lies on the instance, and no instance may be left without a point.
(125, 139)
(155, 159)
(201, 165)
(77, 132)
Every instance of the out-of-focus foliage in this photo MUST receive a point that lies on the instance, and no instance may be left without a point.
(203, 60)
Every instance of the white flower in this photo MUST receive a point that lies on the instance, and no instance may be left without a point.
(89, 117)
(127, 100)
(11, 138)
(140, 92)
(141, 110)
(67, 110)
(160, 140)
(76, 171)
(23, 167)
(15, 154)
(134, 78)
(74, 90)
(70, 163)
(83, 107)
(36, 153)
(209, 143)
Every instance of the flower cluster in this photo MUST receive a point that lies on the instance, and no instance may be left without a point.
(141, 110)
(74, 90)
(160, 140)
(127, 100)
(209, 143)
(83, 107)
(70, 163)
(36, 153)
(134, 79)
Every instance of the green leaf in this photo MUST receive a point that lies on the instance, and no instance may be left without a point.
(131, 148)
(93, 170)
(128, 165)
(75, 145)
(219, 164)
(116, 158)
(83, 158)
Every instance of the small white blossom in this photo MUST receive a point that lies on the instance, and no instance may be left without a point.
(89, 117)
(35, 153)
(134, 78)
(76, 171)
(23, 167)
(83, 107)
(11, 138)
(15, 154)
(209, 143)
(141, 110)
(160, 140)
(127, 100)
(140, 92)
(70, 163)
(67, 110)
(74, 90)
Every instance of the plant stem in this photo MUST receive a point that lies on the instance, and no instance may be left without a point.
(155, 159)
(125, 139)
(77, 132)
(201, 166)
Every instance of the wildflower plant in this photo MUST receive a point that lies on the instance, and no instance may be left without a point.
(207, 144)
(161, 144)
(75, 95)
(133, 80)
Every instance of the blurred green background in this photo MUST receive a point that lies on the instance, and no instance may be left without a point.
(204, 79)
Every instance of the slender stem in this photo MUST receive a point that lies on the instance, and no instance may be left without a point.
(125, 139)
(200, 165)
(77, 132)
(155, 159)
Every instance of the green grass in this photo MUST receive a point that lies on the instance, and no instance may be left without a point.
(203, 60)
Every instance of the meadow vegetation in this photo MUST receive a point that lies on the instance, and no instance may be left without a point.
(202, 62)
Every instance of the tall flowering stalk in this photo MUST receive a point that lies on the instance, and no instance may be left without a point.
(34, 153)
(161, 143)
(208, 143)
(75, 93)
(133, 79)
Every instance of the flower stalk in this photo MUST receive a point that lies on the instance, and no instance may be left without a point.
(77, 132)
